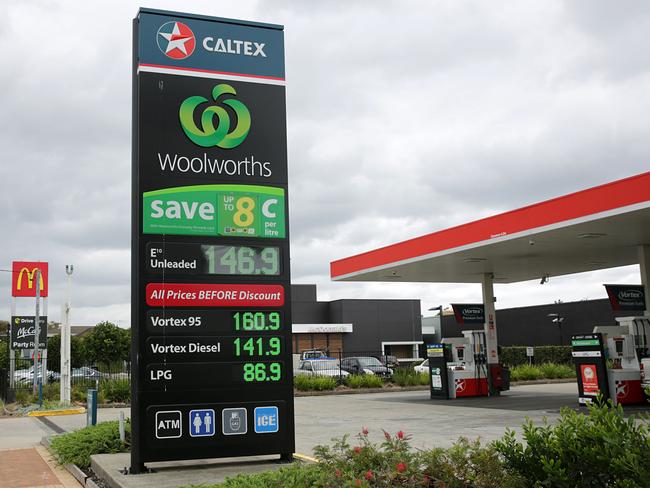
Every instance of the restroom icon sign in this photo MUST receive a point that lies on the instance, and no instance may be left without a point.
(201, 422)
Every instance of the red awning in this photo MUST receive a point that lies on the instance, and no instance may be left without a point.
(592, 229)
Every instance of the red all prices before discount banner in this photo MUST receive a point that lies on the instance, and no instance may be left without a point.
(589, 379)
(214, 295)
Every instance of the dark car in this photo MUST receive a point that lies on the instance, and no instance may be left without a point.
(365, 365)
(389, 361)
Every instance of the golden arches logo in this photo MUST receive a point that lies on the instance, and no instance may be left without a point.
(30, 278)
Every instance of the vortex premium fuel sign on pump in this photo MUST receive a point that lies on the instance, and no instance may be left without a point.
(211, 322)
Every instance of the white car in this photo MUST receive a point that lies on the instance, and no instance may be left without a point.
(423, 367)
(320, 367)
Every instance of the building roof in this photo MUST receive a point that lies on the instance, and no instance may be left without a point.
(592, 229)
(80, 330)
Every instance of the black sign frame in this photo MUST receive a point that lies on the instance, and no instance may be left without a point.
(267, 398)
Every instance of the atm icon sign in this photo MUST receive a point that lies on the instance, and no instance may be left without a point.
(168, 424)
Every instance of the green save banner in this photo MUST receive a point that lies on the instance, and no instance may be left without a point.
(215, 210)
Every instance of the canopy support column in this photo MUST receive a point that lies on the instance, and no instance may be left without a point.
(490, 319)
(490, 328)
(644, 267)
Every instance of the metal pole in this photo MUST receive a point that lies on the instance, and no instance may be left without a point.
(12, 353)
(65, 342)
(37, 329)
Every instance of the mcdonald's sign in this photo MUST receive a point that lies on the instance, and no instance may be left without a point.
(23, 278)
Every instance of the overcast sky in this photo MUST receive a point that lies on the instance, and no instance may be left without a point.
(392, 107)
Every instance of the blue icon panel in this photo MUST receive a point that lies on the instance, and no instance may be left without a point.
(266, 420)
(202, 422)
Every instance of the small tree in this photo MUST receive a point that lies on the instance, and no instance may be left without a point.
(107, 343)
(77, 354)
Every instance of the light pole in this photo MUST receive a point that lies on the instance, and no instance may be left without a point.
(558, 319)
(37, 332)
(65, 342)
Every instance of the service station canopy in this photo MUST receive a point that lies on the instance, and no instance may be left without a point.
(597, 228)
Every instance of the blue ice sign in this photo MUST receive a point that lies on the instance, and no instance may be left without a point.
(266, 420)
(202, 422)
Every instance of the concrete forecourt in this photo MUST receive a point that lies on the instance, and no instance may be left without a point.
(432, 423)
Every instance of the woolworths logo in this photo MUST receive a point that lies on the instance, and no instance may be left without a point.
(208, 135)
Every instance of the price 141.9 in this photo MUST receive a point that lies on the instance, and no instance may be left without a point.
(257, 346)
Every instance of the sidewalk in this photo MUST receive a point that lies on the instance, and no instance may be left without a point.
(32, 468)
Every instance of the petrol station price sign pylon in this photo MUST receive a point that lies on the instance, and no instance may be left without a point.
(211, 322)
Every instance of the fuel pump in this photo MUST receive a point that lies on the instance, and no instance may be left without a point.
(467, 371)
(622, 362)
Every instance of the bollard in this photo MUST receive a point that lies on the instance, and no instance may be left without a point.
(40, 393)
(91, 407)
(122, 431)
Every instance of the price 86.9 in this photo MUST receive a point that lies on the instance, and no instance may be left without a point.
(261, 372)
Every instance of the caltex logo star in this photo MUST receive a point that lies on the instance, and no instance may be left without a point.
(176, 40)
(460, 385)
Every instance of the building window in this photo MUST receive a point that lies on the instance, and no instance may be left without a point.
(404, 351)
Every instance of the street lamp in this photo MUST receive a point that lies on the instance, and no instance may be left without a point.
(439, 308)
(558, 319)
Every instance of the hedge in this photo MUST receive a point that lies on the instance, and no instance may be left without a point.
(516, 355)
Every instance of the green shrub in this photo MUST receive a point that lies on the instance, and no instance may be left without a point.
(602, 448)
(296, 475)
(550, 370)
(116, 390)
(318, 383)
(409, 377)
(24, 397)
(77, 447)
(79, 393)
(516, 355)
(525, 372)
(364, 381)
(390, 463)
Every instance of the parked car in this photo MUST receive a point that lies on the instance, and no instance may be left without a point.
(320, 367)
(27, 375)
(313, 354)
(423, 367)
(365, 365)
(389, 361)
(87, 373)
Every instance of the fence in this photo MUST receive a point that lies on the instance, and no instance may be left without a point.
(81, 378)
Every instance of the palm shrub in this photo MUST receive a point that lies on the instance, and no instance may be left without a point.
(525, 372)
(552, 370)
